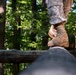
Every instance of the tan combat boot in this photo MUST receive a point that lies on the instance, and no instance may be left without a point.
(61, 38)
(52, 32)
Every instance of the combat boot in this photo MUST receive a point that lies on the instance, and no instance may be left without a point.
(61, 38)
(52, 31)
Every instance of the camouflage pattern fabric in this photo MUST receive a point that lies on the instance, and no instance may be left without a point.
(51, 3)
(56, 14)
(58, 10)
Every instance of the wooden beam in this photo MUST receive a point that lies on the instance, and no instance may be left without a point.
(16, 56)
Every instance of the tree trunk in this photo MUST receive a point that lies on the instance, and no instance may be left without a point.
(2, 24)
(43, 3)
(16, 41)
(17, 56)
(44, 28)
(2, 30)
(33, 32)
(17, 34)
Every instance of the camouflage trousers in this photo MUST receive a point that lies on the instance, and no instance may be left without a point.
(58, 10)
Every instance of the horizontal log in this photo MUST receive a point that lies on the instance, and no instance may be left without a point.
(16, 56)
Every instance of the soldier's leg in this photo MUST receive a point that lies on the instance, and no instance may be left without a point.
(58, 19)
(58, 14)
(53, 11)
(67, 6)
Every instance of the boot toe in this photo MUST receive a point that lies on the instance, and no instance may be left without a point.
(50, 44)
